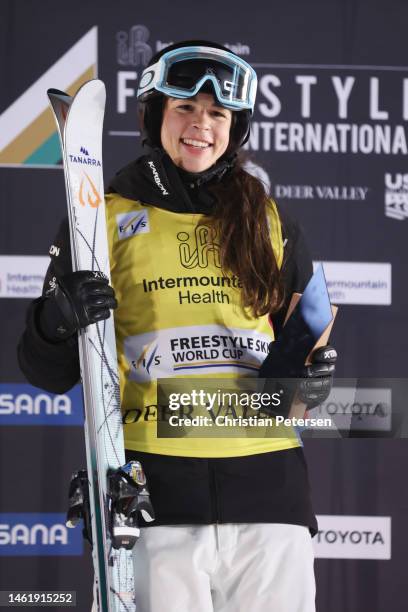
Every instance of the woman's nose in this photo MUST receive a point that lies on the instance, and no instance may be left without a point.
(202, 121)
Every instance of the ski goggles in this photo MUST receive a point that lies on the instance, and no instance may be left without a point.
(181, 73)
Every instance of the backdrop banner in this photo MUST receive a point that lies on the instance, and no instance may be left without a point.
(330, 142)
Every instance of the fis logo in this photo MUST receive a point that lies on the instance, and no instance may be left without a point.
(22, 404)
(130, 224)
(148, 358)
(396, 196)
(26, 534)
(204, 248)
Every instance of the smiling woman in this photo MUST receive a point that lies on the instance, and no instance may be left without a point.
(201, 284)
(195, 132)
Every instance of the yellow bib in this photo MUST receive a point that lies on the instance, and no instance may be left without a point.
(178, 316)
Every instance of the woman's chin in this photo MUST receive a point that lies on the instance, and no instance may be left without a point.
(195, 165)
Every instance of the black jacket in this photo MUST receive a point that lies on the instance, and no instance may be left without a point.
(269, 487)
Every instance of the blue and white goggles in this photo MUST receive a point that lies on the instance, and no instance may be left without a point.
(181, 73)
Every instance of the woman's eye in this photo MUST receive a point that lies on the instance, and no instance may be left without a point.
(219, 114)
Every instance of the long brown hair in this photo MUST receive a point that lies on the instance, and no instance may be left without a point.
(240, 219)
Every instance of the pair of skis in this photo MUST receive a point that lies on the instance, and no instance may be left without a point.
(80, 124)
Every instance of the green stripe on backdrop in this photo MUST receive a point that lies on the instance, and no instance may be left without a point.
(48, 154)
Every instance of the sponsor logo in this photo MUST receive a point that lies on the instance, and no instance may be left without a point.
(22, 404)
(132, 48)
(146, 79)
(84, 158)
(54, 250)
(148, 358)
(22, 276)
(26, 534)
(358, 282)
(157, 179)
(186, 296)
(396, 196)
(206, 350)
(203, 247)
(52, 285)
(358, 409)
(88, 193)
(321, 192)
(99, 275)
(133, 223)
(27, 128)
(238, 48)
(353, 537)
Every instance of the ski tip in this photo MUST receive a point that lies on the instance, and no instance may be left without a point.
(52, 92)
(56, 95)
(93, 91)
(93, 84)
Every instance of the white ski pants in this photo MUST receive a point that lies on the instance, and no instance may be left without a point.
(225, 568)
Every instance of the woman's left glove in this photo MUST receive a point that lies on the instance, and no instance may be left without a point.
(317, 378)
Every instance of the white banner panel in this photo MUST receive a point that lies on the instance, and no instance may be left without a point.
(354, 282)
(353, 537)
(361, 408)
(22, 276)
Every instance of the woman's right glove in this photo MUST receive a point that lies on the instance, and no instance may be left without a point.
(77, 300)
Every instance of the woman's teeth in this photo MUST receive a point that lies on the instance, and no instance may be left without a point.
(195, 143)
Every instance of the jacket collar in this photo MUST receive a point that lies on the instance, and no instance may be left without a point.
(154, 179)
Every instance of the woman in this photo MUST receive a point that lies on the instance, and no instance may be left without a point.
(199, 271)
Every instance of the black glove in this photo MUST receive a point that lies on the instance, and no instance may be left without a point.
(285, 375)
(77, 300)
(317, 378)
